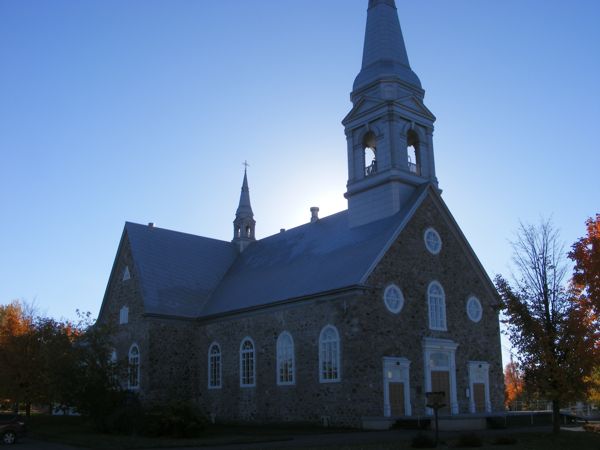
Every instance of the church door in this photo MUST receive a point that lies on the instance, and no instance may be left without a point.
(440, 382)
(479, 397)
(397, 398)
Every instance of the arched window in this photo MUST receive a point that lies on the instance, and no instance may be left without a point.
(436, 300)
(329, 355)
(123, 315)
(112, 367)
(412, 149)
(214, 366)
(247, 363)
(370, 153)
(285, 359)
(134, 367)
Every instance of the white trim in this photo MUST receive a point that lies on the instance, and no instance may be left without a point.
(437, 315)
(434, 345)
(220, 367)
(479, 372)
(137, 364)
(391, 288)
(336, 357)
(253, 376)
(279, 361)
(390, 363)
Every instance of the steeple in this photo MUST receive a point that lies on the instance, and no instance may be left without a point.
(389, 130)
(244, 223)
(384, 52)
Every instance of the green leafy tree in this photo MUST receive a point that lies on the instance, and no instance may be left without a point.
(554, 335)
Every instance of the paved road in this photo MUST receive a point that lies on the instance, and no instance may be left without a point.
(32, 444)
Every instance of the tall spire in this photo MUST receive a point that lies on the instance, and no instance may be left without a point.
(389, 130)
(244, 223)
(384, 52)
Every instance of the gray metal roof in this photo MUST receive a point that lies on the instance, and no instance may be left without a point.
(192, 276)
(177, 271)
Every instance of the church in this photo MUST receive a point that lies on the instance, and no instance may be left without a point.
(352, 316)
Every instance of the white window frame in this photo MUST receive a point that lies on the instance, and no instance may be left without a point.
(474, 300)
(247, 364)
(329, 351)
(285, 357)
(214, 367)
(134, 362)
(386, 298)
(428, 246)
(124, 315)
(436, 307)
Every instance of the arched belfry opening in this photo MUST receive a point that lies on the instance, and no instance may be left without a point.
(369, 146)
(413, 152)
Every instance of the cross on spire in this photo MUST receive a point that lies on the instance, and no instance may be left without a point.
(245, 164)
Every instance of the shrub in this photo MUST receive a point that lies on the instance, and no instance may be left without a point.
(469, 440)
(422, 441)
(504, 440)
(178, 419)
(126, 416)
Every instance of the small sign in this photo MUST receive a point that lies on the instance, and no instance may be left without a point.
(435, 400)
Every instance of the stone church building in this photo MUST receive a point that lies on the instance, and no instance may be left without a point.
(354, 315)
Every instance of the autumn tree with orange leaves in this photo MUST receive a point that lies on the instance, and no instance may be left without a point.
(513, 383)
(49, 362)
(585, 253)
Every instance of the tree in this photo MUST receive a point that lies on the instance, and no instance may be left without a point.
(513, 383)
(45, 361)
(585, 253)
(553, 333)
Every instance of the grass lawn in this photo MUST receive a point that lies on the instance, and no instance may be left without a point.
(567, 440)
(74, 431)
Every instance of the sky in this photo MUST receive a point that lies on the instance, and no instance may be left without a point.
(144, 111)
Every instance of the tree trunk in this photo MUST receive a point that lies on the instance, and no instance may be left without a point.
(555, 416)
(28, 409)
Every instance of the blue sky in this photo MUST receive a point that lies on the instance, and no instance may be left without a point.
(145, 110)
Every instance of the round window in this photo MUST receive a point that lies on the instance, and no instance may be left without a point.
(474, 310)
(433, 242)
(393, 298)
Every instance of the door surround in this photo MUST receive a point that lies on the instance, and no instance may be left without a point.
(396, 370)
(439, 354)
(479, 372)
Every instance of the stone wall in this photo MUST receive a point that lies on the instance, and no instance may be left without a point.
(175, 352)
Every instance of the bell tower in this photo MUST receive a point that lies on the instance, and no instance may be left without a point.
(389, 130)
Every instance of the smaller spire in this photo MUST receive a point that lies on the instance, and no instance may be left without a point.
(244, 223)
(244, 208)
